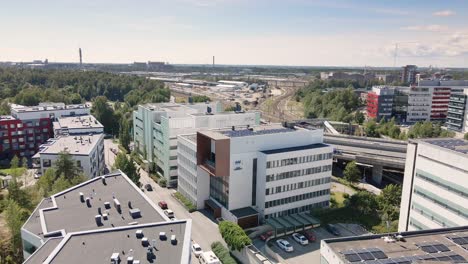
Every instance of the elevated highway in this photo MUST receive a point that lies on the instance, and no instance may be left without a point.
(378, 154)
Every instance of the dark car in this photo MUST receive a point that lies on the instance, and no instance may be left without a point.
(148, 187)
(163, 205)
(309, 234)
(266, 235)
(332, 229)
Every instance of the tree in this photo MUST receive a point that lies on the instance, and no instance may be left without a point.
(14, 163)
(46, 181)
(124, 133)
(61, 184)
(104, 113)
(127, 165)
(364, 202)
(371, 129)
(15, 193)
(24, 165)
(352, 173)
(234, 235)
(389, 201)
(65, 165)
(465, 136)
(359, 117)
(15, 217)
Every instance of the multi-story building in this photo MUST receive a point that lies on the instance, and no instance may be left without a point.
(380, 102)
(408, 74)
(255, 173)
(419, 104)
(86, 150)
(156, 127)
(30, 126)
(76, 125)
(105, 219)
(435, 189)
(457, 117)
(14, 140)
(447, 245)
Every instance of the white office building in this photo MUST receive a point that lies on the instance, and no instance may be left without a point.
(86, 150)
(156, 127)
(76, 125)
(255, 173)
(435, 186)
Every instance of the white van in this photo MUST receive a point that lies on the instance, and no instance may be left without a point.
(169, 213)
(208, 257)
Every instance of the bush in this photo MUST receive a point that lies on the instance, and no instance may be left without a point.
(162, 182)
(234, 235)
(187, 203)
(222, 253)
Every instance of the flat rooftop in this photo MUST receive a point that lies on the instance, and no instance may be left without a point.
(64, 212)
(449, 244)
(306, 147)
(257, 130)
(41, 254)
(6, 117)
(191, 137)
(75, 145)
(77, 122)
(171, 107)
(99, 245)
(47, 107)
(457, 145)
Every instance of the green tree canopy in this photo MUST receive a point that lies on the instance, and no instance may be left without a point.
(352, 173)
(127, 165)
(66, 166)
(234, 235)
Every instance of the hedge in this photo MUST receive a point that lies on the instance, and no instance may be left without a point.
(187, 203)
(222, 253)
(234, 235)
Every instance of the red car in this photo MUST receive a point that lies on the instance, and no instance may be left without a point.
(309, 234)
(163, 205)
(266, 235)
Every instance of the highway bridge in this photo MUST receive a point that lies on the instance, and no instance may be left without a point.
(378, 154)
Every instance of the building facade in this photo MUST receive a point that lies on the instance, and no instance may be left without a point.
(87, 151)
(156, 127)
(255, 173)
(77, 125)
(408, 74)
(29, 126)
(457, 117)
(380, 102)
(435, 189)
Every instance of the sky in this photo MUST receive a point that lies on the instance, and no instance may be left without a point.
(245, 32)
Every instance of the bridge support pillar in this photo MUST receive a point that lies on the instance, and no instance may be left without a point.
(377, 174)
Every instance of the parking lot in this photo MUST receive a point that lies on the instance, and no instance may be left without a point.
(309, 253)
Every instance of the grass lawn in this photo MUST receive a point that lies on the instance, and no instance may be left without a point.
(339, 198)
(9, 171)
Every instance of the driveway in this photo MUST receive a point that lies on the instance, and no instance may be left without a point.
(109, 156)
(204, 229)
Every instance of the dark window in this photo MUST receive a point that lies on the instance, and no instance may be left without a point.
(254, 182)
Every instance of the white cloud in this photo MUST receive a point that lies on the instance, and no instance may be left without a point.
(430, 28)
(444, 13)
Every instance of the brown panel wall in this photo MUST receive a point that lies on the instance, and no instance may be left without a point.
(248, 222)
(203, 148)
(223, 153)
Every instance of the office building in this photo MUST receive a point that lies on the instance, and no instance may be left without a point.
(457, 117)
(105, 219)
(86, 150)
(447, 245)
(76, 125)
(29, 126)
(156, 127)
(435, 186)
(408, 74)
(380, 102)
(255, 173)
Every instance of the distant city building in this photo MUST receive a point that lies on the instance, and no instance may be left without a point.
(156, 127)
(380, 102)
(251, 174)
(105, 219)
(29, 126)
(435, 189)
(87, 151)
(446, 245)
(75, 125)
(457, 118)
(343, 76)
(408, 74)
(387, 78)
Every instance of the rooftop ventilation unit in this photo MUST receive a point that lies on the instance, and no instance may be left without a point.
(98, 219)
(115, 259)
(103, 180)
(139, 233)
(144, 241)
(173, 240)
(82, 197)
(130, 260)
(117, 205)
(107, 205)
(88, 202)
(162, 235)
(135, 213)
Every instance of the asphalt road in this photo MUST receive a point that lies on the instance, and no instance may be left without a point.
(204, 229)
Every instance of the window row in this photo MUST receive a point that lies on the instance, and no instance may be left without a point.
(298, 160)
(297, 198)
(298, 185)
(297, 210)
(297, 173)
(457, 189)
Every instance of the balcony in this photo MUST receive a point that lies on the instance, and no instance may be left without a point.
(209, 166)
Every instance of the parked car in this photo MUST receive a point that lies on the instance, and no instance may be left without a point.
(169, 213)
(162, 204)
(332, 229)
(266, 235)
(300, 239)
(148, 187)
(310, 235)
(197, 250)
(284, 245)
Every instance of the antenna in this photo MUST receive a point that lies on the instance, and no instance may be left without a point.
(81, 57)
(395, 55)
